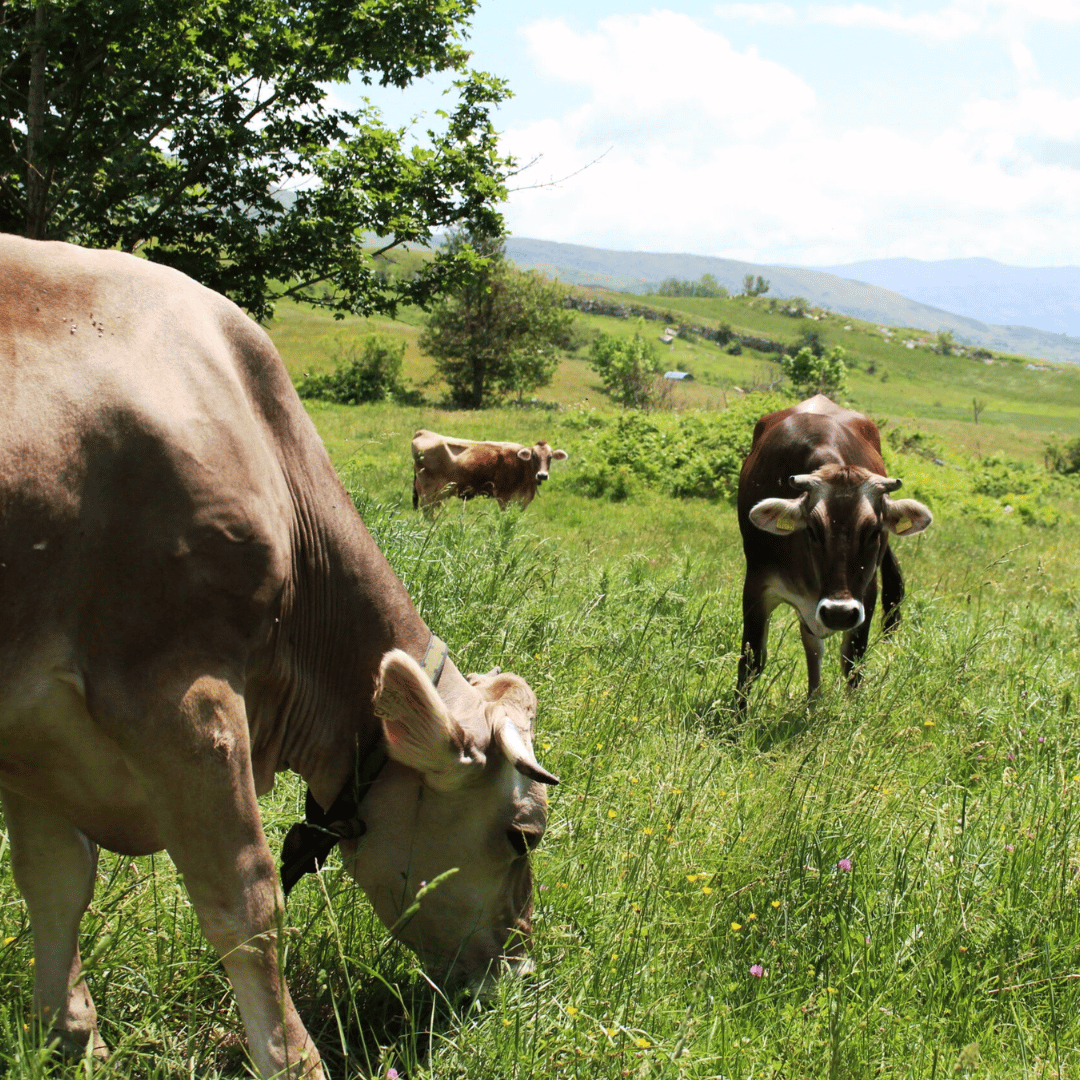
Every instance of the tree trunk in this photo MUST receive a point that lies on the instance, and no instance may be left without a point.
(37, 185)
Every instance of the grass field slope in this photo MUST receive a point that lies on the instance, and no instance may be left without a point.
(886, 884)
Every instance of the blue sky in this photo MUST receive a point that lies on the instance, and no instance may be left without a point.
(789, 132)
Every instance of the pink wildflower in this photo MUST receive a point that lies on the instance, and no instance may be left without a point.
(391, 1074)
(757, 971)
(845, 865)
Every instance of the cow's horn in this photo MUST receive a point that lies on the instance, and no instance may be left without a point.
(516, 749)
(802, 481)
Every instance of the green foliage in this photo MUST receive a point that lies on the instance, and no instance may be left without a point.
(945, 345)
(1063, 457)
(499, 330)
(693, 455)
(203, 134)
(809, 337)
(366, 373)
(810, 374)
(705, 286)
(628, 368)
(755, 287)
(905, 441)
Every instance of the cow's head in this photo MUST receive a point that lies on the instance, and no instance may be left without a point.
(541, 455)
(844, 516)
(462, 796)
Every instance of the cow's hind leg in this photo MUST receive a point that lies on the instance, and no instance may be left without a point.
(892, 590)
(855, 641)
(54, 865)
(191, 747)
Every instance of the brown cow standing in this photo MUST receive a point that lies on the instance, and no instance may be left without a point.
(445, 466)
(820, 550)
(191, 605)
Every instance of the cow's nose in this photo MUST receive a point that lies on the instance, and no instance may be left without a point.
(840, 614)
(541, 476)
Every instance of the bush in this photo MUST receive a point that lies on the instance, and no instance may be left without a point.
(1062, 458)
(810, 374)
(697, 455)
(629, 369)
(366, 372)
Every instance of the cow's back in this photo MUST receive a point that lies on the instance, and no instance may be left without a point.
(140, 492)
(799, 440)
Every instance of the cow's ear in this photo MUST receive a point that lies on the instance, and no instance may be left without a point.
(419, 730)
(559, 455)
(906, 517)
(781, 517)
(525, 454)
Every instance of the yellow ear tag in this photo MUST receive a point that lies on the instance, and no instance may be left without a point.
(903, 525)
(786, 522)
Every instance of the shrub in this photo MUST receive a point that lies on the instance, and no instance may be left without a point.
(1062, 458)
(945, 345)
(810, 374)
(696, 455)
(366, 372)
(629, 369)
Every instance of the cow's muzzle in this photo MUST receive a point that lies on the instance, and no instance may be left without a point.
(541, 477)
(840, 614)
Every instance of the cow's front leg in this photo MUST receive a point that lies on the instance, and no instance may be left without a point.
(54, 865)
(855, 641)
(813, 646)
(757, 608)
(194, 757)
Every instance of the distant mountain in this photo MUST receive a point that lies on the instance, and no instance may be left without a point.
(635, 271)
(1046, 297)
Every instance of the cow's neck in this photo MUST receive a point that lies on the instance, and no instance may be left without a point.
(341, 610)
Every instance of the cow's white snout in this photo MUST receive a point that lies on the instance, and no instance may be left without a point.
(840, 614)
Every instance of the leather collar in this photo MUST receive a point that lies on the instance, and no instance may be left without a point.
(308, 843)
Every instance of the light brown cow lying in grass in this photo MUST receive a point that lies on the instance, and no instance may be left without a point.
(505, 471)
(190, 605)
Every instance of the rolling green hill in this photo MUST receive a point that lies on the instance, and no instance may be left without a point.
(635, 271)
(894, 374)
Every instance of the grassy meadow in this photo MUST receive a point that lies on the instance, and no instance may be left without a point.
(885, 884)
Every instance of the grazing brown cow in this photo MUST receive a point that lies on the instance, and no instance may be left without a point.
(819, 551)
(191, 605)
(444, 467)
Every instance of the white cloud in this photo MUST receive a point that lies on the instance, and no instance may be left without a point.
(946, 24)
(721, 152)
(777, 14)
(643, 71)
(950, 22)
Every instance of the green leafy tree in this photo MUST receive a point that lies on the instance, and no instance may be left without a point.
(629, 369)
(499, 330)
(705, 286)
(810, 374)
(755, 287)
(367, 371)
(203, 134)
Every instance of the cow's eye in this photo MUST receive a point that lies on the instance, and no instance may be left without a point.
(523, 842)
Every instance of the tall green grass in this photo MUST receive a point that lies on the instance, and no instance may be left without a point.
(695, 914)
